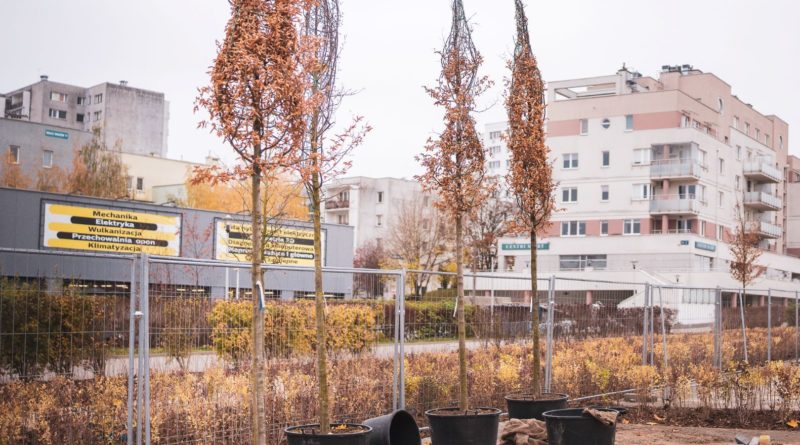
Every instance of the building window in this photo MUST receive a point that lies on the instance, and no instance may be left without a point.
(13, 154)
(720, 232)
(684, 225)
(58, 97)
(642, 191)
(702, 228)
(736, 122)
(82, 100)
(494, 164)
(98, 115)
(721, 167)
(758, 134)
(606, 123)
(632, 227)
(139, 184)
(766, 139)
(494, 150)
(747, 128)
(47, 158)
(603, 228)
(606, 158)
(379, 220)
(584, 126)
(508, 163)
(582, 262)
(721, 199)
(79, 117)
(641, 156)
(604, 193)
(687, 191)
(686, 121)
(720, 105)
(380, 197)
(569, 194)
(737, 182)
(98, 98)
(780, 142)
(58, 114)
(573, 228)
(570, 160)
(343, 219)
(629, 122)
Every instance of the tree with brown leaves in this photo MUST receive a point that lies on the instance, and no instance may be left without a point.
(745, 251)
(531, 174)
(256, 103)
(323, 156)
(455, 162)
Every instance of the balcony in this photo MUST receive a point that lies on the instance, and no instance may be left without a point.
(765, 229)
(762, 172)
(337, 205)
(675, 169)
(685, 204)
(762, 201)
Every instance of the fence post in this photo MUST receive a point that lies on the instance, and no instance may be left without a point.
(548, 359)
(645, 327)
(131, 346)
(796, 325)
(718, 328)
(146, 317)
(140, 375)
(653, 326)
(396, 346)
(769, 325)
(402, 392)
(663, 327)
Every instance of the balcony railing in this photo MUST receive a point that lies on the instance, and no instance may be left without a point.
(763, 172)
(762, 201)
(675, 168)
(337, 204)
(765, 229)
(675, 204)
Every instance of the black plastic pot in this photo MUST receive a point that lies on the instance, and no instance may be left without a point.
(397, 428)
(521, 408)
(620, 409)
(463, 429)
(573, 427)
(303, 435)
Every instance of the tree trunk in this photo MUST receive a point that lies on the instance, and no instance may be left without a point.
(257, 257)
(462, 326)
(536, 388)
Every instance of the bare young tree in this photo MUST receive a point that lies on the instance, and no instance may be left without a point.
(486, 225)
(531, 175)
(455, 162)
(256, 103)
(419, 239)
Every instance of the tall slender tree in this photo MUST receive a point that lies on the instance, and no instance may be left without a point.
(455, 162)
(323, 156)
(530, 177)
(745, 251)
(256, 103)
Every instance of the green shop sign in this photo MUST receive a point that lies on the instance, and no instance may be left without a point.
(705, 246)
(56, 134)
(525, 246)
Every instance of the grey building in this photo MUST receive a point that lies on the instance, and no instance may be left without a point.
(134, 118)
(60, 240)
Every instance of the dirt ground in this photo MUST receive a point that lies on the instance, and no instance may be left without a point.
(634, 434)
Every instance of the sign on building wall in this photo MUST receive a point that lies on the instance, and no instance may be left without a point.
(96, 229)
(56, 134)
(291, 246)
(525, 246)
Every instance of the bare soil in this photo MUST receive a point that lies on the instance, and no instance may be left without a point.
(719, 418)
(637, 434)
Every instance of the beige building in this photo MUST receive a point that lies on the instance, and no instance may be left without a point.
(792, 202)
(149, 175)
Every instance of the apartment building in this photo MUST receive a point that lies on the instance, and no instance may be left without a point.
(653, 174)
(369, 205)
(792, 203)
(134, 118)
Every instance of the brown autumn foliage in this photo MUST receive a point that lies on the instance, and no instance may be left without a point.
(745, 251)
(256, 104)
(281, 197)
(531, 175)
(455, 162)
(12, 175)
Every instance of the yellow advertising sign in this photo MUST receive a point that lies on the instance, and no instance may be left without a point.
(110, 230)
(284, 245)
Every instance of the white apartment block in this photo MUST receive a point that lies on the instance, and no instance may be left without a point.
(370, 205)
(650, 172)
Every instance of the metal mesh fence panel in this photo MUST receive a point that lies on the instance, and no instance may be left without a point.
(201, 340)
(63, 346)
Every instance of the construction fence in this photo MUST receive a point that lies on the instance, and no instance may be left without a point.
(152, 356)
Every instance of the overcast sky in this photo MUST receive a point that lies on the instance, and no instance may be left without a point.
(168, 45)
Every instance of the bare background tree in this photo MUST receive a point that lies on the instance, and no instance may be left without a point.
(98, 171)
(421, 239)
(745, 250)
(486, 225)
